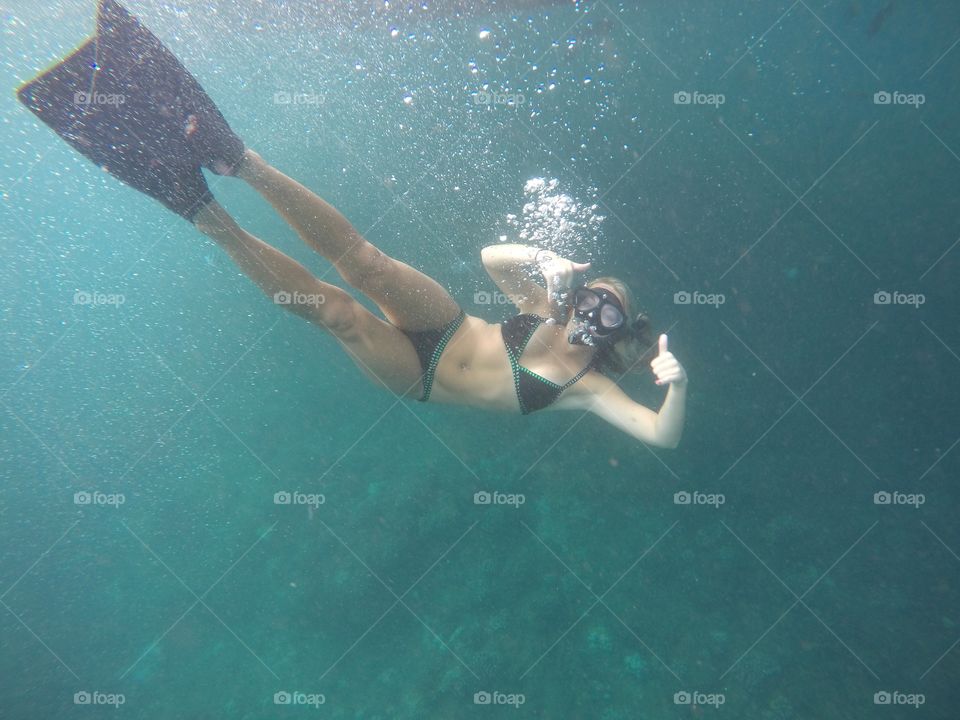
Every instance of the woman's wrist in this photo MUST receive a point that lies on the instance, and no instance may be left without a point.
(558, 282)
(558, 294)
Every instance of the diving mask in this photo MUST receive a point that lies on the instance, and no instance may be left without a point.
(598, 316)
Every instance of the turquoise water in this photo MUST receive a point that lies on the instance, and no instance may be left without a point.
(196, 400)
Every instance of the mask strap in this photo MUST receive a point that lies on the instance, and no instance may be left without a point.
(639, 324)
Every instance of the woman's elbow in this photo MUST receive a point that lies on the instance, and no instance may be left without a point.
(667, 443)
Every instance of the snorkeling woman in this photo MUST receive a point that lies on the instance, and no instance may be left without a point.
(554, 354)
(558, 353)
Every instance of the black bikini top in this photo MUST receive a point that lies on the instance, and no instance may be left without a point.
(533, 391)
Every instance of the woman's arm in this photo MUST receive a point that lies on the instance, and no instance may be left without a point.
(603, 397)
(510, 268)
(606, 400)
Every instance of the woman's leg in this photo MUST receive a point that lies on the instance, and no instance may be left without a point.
(408, 298)
(380, 350)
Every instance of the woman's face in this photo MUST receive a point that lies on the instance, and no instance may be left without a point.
(576, 327)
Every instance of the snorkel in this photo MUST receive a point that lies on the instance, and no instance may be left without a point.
(580, 335)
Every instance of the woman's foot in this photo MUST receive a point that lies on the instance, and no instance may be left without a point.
(221, 167)
(249, 166)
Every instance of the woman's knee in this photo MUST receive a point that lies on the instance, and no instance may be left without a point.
(327, 306)
(364, 263)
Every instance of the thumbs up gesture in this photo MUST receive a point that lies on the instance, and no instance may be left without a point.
(666, 367)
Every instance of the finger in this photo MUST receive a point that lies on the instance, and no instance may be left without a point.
(581, 267)
(663, 344)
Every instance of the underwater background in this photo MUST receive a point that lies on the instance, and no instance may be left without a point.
(774, 181)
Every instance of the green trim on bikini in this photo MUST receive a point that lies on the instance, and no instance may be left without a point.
(431, 371)
(516, 368)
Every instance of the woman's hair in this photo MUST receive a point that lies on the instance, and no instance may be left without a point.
(633, 351)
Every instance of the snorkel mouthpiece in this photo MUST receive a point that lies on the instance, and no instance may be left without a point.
(582, 335)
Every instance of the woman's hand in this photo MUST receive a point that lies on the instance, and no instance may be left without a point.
(558, 272)
(666, 367)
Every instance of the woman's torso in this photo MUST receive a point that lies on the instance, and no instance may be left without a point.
(476, 370)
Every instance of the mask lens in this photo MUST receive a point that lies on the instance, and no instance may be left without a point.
(586, 300)
(610, 317)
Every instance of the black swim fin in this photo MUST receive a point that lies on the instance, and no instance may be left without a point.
(125, 102)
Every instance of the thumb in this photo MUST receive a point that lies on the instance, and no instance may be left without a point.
(663, 344)
(580, 267)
